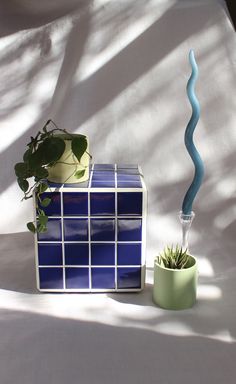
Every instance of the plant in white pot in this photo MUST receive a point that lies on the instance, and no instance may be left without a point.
(53, 155)
(175, 279)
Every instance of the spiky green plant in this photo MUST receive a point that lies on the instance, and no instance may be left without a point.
(173, 257)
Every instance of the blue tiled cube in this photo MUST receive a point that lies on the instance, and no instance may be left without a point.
(95, 235)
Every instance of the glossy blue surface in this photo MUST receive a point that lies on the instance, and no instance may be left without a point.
(104, 166)
(129, 203)
(103, 184)
(127, 166)
(103, 175)
(75, 203)
(129, 254)
(77, 254)
(49, 254)
(54, 208)
(102, 229)
(102, 254)
(124, 184)
(51, 278)
(53, 231)
(102, 203)
(76, 229)
(103, 278)
(129, 229)
(129, 278)
(77, 278)
(93, 256)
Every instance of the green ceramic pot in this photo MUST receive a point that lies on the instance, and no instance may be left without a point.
(175, 288)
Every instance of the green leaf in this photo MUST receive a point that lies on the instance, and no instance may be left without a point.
(21, 170)
(53, 148)
(79, 174)
(36, 159)
(43, 219)
(42, 187)
(41, 173)
(31, 227)
(41, 228)
(23, 184)
(45, 202)
(26, 155)
(79, 145)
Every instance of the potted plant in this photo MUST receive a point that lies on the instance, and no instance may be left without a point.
(53, 155)
(175, 279)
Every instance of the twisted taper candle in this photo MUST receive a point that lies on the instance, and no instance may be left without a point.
(199, 168)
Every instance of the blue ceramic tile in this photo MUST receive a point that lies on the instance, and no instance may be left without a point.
(84, 184)
(103, 176)
(102, 229)
(127, 177)
(50, 254)
(128, 278)
(53, 231)
(75, 203)
(128, 166)
(103, 166)
(129, 171)
(129, 203)
(54, 208)
(77, 254)
(77, 278)
(129, 254)
(130, 184)
(129, 229)
(102, 254)
(103, 278)
(103, 184)
(76, 229)
(102, 203)
(51, 278)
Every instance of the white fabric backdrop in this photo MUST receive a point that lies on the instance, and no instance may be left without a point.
(117, 71)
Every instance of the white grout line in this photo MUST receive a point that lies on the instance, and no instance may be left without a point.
(116, 228)
(62, 241)
(89, 230)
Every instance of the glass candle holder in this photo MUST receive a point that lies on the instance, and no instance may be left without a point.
(186, 221)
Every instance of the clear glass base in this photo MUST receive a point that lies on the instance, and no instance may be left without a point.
(186, 221)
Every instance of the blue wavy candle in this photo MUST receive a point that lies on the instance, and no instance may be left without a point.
(188, 139)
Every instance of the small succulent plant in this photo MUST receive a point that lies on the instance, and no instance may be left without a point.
(173, 257)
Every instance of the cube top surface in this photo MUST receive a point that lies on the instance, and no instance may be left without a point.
(107, 176)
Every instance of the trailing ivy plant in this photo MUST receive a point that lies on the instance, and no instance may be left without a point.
(173, 257)
(43, 151)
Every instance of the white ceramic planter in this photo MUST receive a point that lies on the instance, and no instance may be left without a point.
(66, 167)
